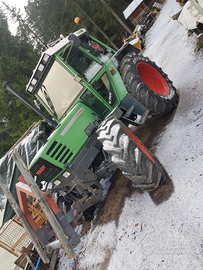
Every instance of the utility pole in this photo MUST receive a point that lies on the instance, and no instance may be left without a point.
(117, 17)
(113, 44)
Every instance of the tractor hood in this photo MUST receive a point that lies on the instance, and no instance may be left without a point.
(63, 145)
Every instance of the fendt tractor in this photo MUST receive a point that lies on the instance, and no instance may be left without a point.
(92, 95)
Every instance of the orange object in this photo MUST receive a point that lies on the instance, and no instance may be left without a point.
(77, 20)
(111, 70)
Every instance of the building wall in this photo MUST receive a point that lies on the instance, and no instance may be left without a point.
(144, 7)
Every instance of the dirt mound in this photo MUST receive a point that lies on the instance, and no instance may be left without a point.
(110, 209)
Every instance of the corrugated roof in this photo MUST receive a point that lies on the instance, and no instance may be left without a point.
(129, 10)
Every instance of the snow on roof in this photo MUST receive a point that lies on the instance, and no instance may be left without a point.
(129, 10)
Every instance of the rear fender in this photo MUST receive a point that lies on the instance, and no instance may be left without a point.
(125, 49)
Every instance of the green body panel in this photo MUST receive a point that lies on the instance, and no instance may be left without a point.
(70, 135)
(117, 81)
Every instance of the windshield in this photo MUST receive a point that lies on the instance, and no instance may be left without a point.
(59, 90)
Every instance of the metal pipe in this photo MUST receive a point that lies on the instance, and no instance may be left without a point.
(53, 260)
(53, 246)
(8, 86)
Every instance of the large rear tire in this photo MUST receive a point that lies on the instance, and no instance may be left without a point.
(130, 155)
(147, 82)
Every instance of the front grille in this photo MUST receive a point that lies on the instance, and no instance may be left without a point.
(59, 152)
(44, 170)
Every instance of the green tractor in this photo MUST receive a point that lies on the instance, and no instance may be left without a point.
(92, 94)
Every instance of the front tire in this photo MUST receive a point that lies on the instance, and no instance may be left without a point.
(130, 155)
(147, 82)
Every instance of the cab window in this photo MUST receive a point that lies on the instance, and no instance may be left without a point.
(95, 103)
(101, 52)
(84, 65)
(104, 88)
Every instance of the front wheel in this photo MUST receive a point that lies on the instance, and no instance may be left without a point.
(147, 82)
(130, 155)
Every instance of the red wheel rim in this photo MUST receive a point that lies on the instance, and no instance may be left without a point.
(152, 78)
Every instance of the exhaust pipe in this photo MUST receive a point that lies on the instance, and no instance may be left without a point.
(8, 86)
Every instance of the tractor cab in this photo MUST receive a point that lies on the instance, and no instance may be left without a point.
(75, 70)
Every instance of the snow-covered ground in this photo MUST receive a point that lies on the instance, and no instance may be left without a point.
(168, 235)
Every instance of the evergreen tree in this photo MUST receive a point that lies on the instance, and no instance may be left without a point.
(17, 60)
(50, 18)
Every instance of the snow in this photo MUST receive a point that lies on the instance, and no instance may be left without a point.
(168, 235)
